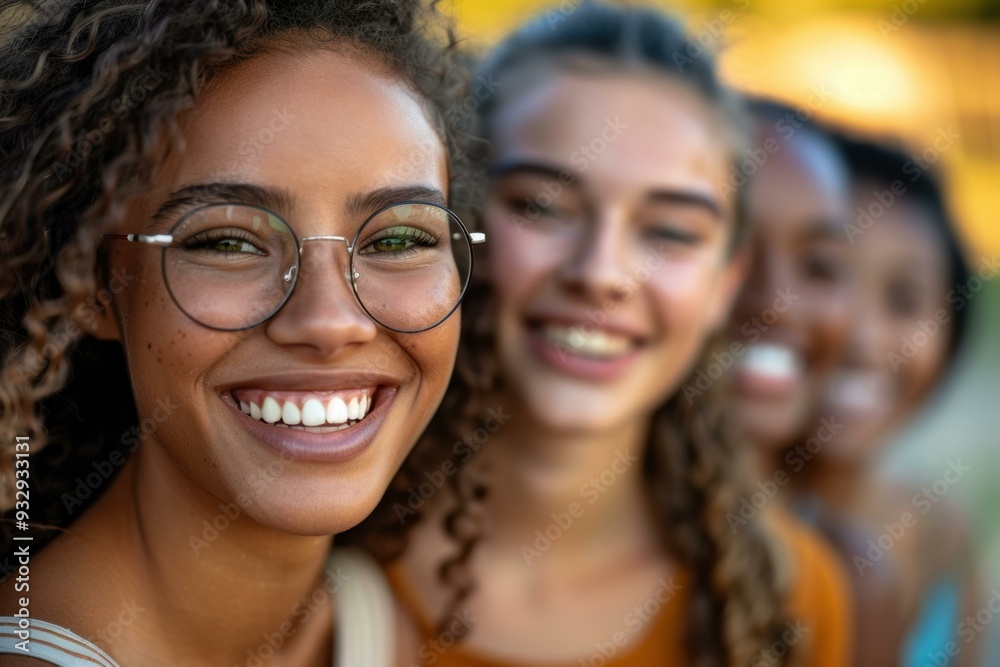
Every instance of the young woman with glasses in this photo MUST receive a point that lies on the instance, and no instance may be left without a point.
(247, 202)
(604, 534)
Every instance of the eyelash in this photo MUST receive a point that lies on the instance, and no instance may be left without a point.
(204, 240)
(675, 235)
(418, 236)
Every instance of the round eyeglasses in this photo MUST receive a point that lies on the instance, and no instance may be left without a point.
(233, 266)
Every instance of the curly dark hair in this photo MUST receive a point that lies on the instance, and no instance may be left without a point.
(90, 96)
(694, 464)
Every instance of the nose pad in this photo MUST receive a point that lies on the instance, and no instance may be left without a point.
(311, 262)
(293, 271)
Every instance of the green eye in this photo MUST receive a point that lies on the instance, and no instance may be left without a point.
(398, 239)
(223, 242)
(391, 244)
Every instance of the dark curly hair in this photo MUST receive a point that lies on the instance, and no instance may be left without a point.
(694, 465)
(90, 96)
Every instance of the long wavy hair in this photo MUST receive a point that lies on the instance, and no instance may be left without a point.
(91, 92)
(693, 464)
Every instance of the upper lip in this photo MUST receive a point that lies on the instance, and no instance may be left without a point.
(328, 380)
(616, 327)
(779, 336)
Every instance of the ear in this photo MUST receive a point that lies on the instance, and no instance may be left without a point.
(733, 276)
(96, 315)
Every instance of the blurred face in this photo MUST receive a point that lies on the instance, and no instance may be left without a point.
(901, 329)
(302, 420)
(609, 234)
(791, 316)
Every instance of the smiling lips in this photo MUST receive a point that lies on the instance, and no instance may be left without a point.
(595, 343)
(319, 412)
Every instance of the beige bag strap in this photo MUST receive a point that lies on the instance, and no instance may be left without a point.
(366, 614)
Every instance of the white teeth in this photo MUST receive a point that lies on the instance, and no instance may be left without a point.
(270, 411)
(858, 391)
(290, 414)
(773, 361)
(594, 343)
(336, 411)
(316, 411)
(313, 413)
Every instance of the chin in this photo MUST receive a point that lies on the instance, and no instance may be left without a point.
(317, 520)
(768, 430)
(574, 408)
(855, 444)
(306, 505)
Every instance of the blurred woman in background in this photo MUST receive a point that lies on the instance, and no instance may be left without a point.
(618, 244)
(909, 318)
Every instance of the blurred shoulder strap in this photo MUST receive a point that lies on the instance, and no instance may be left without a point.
(365, 611)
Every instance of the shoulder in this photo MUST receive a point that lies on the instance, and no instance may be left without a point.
(819, 592)
(944, 537)
(816, 577)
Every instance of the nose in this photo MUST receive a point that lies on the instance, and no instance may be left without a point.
(869, 338)
(769, 274)
(322, 316)
(598, 268)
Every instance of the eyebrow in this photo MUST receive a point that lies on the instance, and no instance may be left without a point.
(825, 229)
(272, 198)
(536, 167)
(280, 199)
(659, 195)
(687, 198)
(365, 204)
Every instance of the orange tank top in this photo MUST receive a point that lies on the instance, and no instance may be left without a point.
(818, 609)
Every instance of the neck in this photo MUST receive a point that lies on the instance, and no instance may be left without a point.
(798, 472)
(199, 558)
(558, 494)
(841, 485)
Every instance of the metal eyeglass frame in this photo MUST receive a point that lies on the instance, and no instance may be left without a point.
(292, 275)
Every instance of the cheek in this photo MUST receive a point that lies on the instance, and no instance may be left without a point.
(515, 267)
(682, 297)
(433, 352)
(166, 351)
(829, 326)
(918, 377)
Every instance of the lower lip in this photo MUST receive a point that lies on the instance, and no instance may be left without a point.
(753, 383)
(321, 447)
(584, 368)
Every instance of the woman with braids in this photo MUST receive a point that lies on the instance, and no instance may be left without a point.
(245, 201)
(615, 250)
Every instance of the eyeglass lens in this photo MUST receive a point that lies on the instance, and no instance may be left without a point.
(233, 266)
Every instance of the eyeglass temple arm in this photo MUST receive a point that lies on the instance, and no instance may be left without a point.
(155, 239)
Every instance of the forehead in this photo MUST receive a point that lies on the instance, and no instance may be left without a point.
(621, 129)
(317, 119)
(802, 182)
(902, 235)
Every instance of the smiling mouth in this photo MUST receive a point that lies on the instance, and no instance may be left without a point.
(310, 411)
(584, 342)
